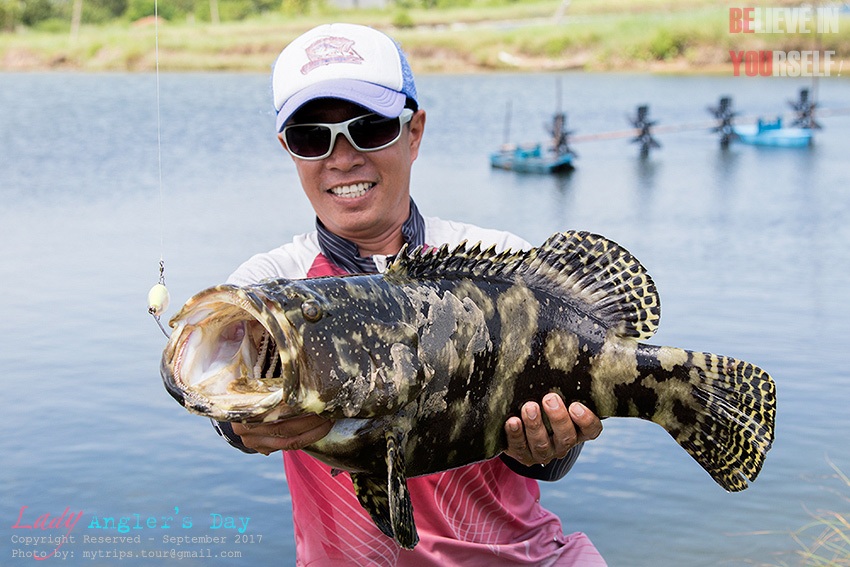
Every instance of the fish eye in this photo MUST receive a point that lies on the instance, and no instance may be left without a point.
(311, 310)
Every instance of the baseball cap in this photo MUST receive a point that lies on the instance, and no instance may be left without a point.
(347, 61)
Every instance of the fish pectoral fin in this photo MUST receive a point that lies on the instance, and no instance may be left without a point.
(387, 499)
(401, 508)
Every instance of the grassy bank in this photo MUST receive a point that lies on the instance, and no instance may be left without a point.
(825, 540)
(655, 35)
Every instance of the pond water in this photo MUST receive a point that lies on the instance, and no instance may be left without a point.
(748, 248)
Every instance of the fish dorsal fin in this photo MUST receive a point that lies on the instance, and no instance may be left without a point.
(606, 278)
(596, 274)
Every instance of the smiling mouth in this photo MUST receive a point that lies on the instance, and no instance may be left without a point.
(351, 191)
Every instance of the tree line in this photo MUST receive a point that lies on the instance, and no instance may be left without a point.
(60, 15)
(57, 15)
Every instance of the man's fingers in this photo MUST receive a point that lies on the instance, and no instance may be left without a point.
(564, 433)
(539, 444)
(529, 441)
(517, 446)
(285, 435)
(589, 426)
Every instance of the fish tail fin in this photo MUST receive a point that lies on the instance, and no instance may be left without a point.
(720, 410)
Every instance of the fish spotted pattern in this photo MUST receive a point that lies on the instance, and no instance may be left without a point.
(420, 366)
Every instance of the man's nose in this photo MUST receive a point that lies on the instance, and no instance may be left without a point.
(344, 154)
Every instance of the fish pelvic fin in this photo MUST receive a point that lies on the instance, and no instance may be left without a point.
(387, 499)
(597, 275)
(721, 410)
(371, 492)
(401, 508)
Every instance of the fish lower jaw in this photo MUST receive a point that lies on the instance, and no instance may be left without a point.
(235, 408)
(351, 191)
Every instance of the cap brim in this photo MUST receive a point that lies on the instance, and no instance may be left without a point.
(376, 98)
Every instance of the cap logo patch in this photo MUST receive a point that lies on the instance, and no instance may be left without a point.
(329, 50)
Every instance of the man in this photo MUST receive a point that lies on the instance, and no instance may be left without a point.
(347, 113)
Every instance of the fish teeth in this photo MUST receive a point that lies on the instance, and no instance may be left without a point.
(352, 191)
(267, 358)
(261, 356)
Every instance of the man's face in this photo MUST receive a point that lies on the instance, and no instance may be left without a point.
(361, 196)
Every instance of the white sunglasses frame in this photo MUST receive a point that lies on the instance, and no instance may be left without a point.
(337, 128)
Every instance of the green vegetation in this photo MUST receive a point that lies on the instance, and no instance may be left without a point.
(439, 35)
(825, 540)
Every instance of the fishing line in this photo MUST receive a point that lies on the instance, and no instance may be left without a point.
(158, 296)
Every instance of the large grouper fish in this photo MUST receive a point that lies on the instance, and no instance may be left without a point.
(421, 365)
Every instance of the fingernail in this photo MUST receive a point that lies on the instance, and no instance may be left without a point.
(551, 402)
(513, 425)
(531, 412)
(577, 409)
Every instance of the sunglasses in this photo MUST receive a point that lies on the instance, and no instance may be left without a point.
(368, 133)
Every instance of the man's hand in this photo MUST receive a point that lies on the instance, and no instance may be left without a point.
(284, 435)
(530, 443)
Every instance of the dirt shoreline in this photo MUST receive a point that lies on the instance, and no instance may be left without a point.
(430, 61)
(491, 46)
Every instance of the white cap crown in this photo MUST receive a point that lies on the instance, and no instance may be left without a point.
(347, 61)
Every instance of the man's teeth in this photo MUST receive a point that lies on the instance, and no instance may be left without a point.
(351, 191)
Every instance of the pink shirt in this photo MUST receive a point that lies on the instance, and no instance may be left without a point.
(480, 515)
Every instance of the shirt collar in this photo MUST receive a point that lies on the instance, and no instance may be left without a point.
(345, 254)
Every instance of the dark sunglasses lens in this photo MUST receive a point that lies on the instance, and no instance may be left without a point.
(308, 141)
(374, 131)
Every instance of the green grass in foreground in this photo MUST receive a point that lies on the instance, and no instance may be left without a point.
(825, 541)
(485, 35)
(822, 542)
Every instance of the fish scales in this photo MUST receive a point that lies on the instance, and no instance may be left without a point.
(421, 366)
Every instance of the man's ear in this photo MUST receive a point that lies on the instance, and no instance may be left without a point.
(417, 129)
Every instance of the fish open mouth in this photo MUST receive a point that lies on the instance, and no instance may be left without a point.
(229, 357)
